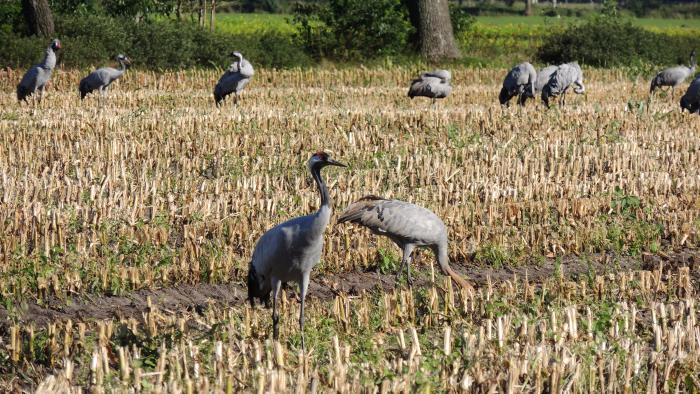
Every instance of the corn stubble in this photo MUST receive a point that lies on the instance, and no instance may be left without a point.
(159, 188)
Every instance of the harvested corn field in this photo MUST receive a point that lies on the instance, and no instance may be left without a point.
(578, 226)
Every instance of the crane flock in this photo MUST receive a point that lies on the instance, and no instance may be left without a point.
(289, 251)
(522, 81)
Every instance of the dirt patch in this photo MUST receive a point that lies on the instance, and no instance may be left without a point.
(198, 297)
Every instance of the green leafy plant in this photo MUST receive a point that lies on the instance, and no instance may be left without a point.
(349, 29)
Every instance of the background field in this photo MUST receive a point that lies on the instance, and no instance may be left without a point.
(490, 41)
(126, 234)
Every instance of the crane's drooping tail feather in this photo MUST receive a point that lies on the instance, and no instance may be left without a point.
(84, 89)
(254, 288)
(456, 277)
(353, 213)
(22, 93)
(218, 98)
(654, 84)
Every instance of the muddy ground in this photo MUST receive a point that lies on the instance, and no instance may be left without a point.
(196, 297)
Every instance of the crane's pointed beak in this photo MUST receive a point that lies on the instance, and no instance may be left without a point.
(335, 163)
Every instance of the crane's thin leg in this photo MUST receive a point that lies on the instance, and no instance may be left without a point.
(406, 262)
(303, 287)
(235, 99)
(276, 285)
(103, 92)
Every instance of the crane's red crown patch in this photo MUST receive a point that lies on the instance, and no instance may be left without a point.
(321, 155)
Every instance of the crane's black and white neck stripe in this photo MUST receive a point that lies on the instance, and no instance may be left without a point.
(316, 163)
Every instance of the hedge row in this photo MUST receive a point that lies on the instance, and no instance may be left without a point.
(157, 45)
(611, 42)
(92, 40)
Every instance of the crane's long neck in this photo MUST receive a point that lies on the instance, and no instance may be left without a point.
(444, 262)
(49, 61)
(122, 67)
(322, 189)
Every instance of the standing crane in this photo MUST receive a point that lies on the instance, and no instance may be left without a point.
(691, 99)
(408, 225)
(566, 75)
(520, 81)
(38, 75)
(673, 76)
(101, 78)
(290, 250)
(434, 84)
(234, 79)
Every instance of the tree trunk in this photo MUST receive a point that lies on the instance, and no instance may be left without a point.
(437, 39)
(528, 7)
(38, 16)
(212, 16)
(202, 12)
(178, 10)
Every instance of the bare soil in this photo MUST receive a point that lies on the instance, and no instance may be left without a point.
(196, 298)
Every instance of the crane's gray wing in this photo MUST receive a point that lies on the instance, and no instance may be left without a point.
(246, 69)
(691, 98)
(516, 79)
(694, 89)
(230, 82)
(396, 219)
(560, 81)
(419, 87)
(286, 244)
(29, 83)
(543, 77)
(95, 80)
(531, 78)
(672, 76)
(441, 74)
(429, 86)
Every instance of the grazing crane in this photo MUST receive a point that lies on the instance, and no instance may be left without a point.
(101, 78)
(543, 77)
(408, 225)
(38, 75)
(691, 99)
(673, 76)
(234, 79)
(289, 251)
(566, 75)
(434, 84)
(520, 81)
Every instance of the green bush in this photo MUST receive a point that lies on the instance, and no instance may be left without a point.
(10, 16)
(347, 29)
(461, 20)
(609, 41)
(94, 40)
(91, 40)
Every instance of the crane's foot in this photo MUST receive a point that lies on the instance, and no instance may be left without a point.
(397, 280)
(275, 327)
